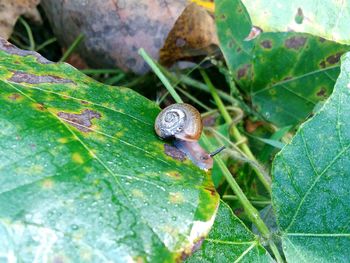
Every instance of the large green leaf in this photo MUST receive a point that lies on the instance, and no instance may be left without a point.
(230, 241)
(311, 183)
(83, 177)
(286, 74)
(329, 19)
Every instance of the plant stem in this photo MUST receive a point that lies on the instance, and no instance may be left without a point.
(236, 134)
(160, 75)
(72, 47)
(252, 213)
(254, 202)
(29, 33)
(275, 251)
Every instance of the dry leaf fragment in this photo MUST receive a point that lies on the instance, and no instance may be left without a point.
(10, 10)
(193, 35)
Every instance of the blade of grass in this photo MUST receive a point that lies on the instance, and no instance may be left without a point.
(72, 47)
(113, 80)
(45, 44)
(194, 99)
(100, 71)
(29, 33)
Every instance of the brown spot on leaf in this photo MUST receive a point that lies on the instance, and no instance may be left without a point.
(322, 64)
(174, 153)
(222, 17)
(266, 44)
(231, 43)
(322, 92)
(333, 59)
(321, 39)
(211, 191)
(242, 72)
(196, 246)
(295, 42)
(84, 102)
(11, 49)
(14, 96)
(40, 106)
(23, 77)
(287, 78)
(81, 121)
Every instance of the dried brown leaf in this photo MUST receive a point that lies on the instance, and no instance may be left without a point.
(10, 10)
(193, 35)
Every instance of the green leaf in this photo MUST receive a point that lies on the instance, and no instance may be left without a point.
(286, 74)
(311, 183)
(328, 19)
(83, 177)
(230, 241)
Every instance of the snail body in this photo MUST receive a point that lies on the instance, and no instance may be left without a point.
(182, 123)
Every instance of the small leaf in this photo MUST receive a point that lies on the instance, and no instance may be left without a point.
(230, 241)
(83, 177)
(312, 182)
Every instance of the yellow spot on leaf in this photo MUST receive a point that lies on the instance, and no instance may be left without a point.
(37, 169)
(77, 158)
(87, 169)
(176, 197)
(119, 134)
(47, 184)
(139, 259)
(174, 175)
(137, 193)
(62, 140)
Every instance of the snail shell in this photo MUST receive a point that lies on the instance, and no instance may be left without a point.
(181, 121)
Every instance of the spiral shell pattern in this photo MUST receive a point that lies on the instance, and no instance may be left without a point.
(181, 121)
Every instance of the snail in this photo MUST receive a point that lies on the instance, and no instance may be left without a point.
(182, 123)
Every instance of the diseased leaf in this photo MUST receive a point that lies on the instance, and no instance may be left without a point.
(83, 177)
(311, 183)
(230, 241)
(327, 19)
(286, 74)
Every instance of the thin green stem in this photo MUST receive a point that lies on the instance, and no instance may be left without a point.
(236, 134)
(45, 43)
(194, 99)
(29, 33)
(253, 201)
(160, 75)
(275, 251)
(72, 47)
(100, 71)
(201, 86)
